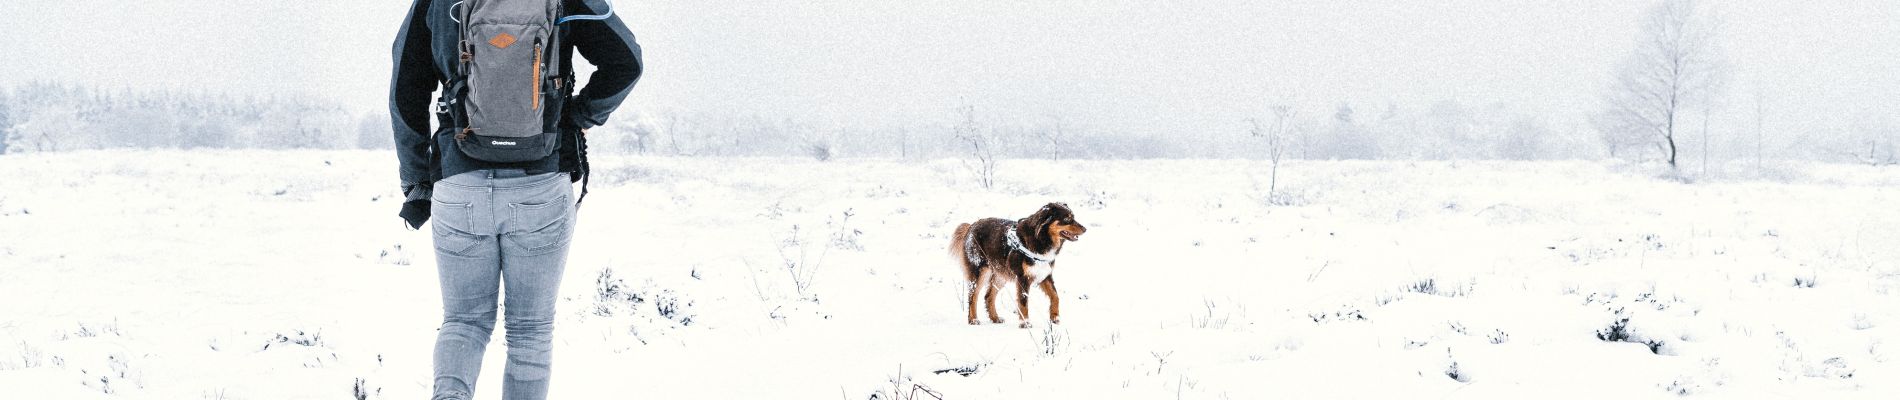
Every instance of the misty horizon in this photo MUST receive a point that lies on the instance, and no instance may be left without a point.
(1150, 68)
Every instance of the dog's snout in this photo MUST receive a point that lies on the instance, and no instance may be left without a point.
(1075, 232)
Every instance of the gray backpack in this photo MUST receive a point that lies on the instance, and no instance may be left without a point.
(509, 71)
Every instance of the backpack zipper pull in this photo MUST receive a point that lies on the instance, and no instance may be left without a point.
(536, 102)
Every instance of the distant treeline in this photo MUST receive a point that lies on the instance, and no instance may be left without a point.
(1448, 131)
(60, 117)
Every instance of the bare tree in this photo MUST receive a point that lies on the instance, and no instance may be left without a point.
(1054, 135)
(1277, 133)
(903, 143)
(983, 152)
(819, 143)
(639, 139)
(1761, 111)
(1705, 136)
(6, 123)
(372, 132)
(1676, 65)
(679, 127)
(1876, 133)
(1523, 138)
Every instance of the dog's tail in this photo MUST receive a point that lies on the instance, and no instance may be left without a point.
(959, 246)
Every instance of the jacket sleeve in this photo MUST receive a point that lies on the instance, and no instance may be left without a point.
(414, 79)
(609, 45)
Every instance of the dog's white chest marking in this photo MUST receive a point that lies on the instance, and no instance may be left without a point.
(1040, 271)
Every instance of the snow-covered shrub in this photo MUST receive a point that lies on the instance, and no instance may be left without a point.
(1497, 336)
(1213, 315)
(963, 370)
(905, 387)
(1862, 321)
(86, 330)
(117, 376)
(29, 356)
(1432, 286)
(801, 260)
(1161, 359)
(846, 237)
(392, 255)
(1619, 331)
(362, 390)
(1707, 375)
(1452, 371)
(1051, 340)
(614, 297)
(1346, 314)
(981, 145)
(1805, 281)
(802, 257)
(297, 337)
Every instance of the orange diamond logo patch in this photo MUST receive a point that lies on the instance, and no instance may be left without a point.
(502, 41)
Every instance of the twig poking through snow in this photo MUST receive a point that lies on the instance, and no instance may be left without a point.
(1315, 274)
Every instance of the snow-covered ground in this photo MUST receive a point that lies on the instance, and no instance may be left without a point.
(286, 275)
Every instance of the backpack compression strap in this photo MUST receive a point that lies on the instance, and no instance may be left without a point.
(580, 148)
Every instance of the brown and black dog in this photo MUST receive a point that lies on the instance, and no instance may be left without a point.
(995, 252)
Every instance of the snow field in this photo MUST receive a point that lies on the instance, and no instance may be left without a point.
(285, 275)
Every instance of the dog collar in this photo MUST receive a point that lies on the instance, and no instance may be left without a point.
(1017, 244)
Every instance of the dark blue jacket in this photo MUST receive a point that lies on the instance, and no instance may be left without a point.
(426, 55)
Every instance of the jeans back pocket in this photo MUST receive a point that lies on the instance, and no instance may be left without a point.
(453, 226)
(539, 228)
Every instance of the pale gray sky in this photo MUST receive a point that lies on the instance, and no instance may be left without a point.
(1161, 67)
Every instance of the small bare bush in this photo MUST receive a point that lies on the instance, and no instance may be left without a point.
(983, 151)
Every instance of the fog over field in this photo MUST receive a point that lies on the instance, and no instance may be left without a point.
(1305, 199)
(1162, 68)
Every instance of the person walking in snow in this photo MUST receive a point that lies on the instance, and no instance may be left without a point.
(497, 172)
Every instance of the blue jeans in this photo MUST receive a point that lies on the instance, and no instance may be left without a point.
(495, 228)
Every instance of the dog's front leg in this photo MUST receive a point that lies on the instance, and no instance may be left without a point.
(989, 300)
(1055, 302)
(1022, 300)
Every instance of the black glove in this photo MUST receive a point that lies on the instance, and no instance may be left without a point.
(573, 149)
(415, 209)
(415, 213)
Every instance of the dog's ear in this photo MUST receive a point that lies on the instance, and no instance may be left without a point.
(1056, 212)
(1043, 217)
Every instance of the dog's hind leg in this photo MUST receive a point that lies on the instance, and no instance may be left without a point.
(976, 289)
(1055, 302)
